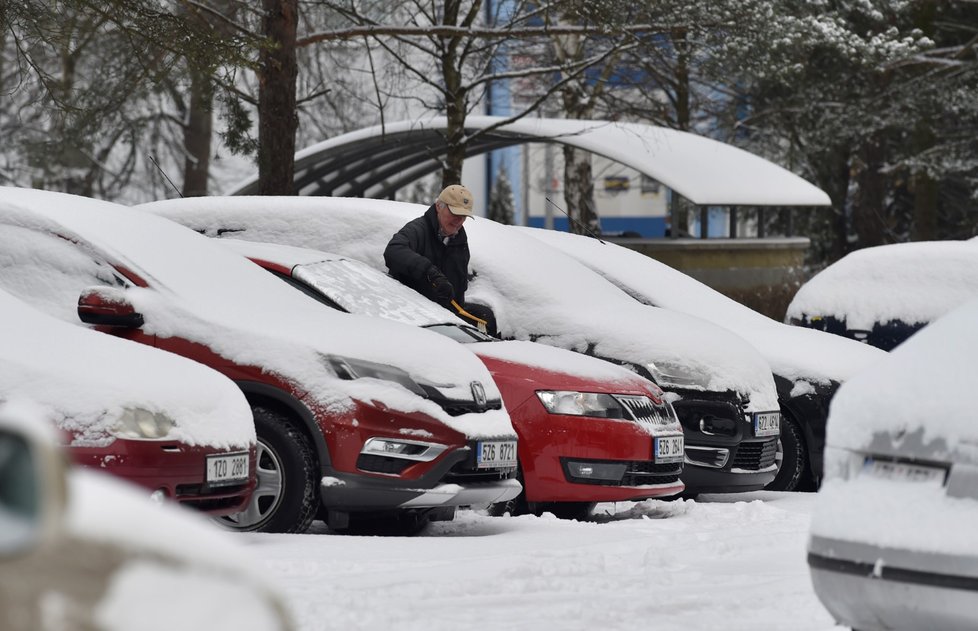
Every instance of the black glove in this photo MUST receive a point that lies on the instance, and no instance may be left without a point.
(444, 292)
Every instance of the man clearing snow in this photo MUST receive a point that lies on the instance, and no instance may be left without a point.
(430, 254)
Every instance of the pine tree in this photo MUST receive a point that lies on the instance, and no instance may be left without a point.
(500, 206)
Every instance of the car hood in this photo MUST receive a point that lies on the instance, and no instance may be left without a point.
(916, 399)
(208, 295)
(794, 353)
(86, 379)
(536, 293)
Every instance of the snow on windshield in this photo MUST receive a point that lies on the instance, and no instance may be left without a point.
(793, 352)
(912, 282)
(86, 379)
(204, 293)
(536, 292)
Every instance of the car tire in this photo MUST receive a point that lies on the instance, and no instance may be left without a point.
(514, 507)
(405, 523)
(286, 499)
(793, 455)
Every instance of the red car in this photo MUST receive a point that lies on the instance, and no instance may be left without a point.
(170, 425)
(362, 422)
(589, 431)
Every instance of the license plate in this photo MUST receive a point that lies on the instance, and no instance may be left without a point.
(227, 469)
(767, 423)
(495, 454)
(669, 449)
(903, 472)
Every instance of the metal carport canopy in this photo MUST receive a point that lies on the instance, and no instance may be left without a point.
(376, 161)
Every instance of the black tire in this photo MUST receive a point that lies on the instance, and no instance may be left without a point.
(286, 499)
(579, 511)
(515, 506)
(793, 454)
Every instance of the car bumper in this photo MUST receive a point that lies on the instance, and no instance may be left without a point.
(441, 486)
(176, 470)
(874, 588)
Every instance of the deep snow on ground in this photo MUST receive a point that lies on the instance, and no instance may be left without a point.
(734, 562)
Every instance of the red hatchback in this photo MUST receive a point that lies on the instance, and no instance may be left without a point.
(589, 431)
(170, 425)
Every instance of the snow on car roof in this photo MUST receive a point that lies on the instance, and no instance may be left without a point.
(536, 292)
(359, 288)
(86, 379)
(925, 383)
(793, 352)
(912, 282)
(210, 295)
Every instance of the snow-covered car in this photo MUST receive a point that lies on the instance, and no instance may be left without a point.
(81, 550)
(589, 431)
(175, 427)
(884, 294)
(893, 543)
(808, 366)
(721, 388)
(354, 416)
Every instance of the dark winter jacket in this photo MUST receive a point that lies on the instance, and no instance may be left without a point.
(416, 247)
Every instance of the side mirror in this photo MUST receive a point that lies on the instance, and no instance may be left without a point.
(33, 483)
(108, 306)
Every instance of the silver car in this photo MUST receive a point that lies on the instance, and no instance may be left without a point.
(893, 538)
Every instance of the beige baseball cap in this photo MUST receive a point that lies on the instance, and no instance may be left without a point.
(458, 199)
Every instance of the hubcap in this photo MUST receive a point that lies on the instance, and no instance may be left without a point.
(267, 496)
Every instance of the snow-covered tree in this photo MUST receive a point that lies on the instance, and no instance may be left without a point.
(500, 206)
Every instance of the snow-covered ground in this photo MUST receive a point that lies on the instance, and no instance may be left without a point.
(734, 562)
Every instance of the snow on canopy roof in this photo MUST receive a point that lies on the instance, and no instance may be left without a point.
(536, 292)
(85, 379)
(377, 161)
(913, 282)
(793, 352)
(209, 295)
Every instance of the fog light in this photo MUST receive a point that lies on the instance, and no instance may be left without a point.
(596, 470)
(158, 496)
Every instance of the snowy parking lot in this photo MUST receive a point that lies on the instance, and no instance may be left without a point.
(733, 562)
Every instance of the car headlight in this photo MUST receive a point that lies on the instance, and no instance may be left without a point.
(349, 368)
(677, 376)
(842, 464)
(581, 404)
(142, 424)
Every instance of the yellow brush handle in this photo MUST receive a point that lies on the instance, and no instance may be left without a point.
(480, 323)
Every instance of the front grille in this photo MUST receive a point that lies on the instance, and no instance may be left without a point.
(465, 473)
(755, 455)
(713, 457)
(458, 408)
(210, 504)
(643, 472)
(192, 492)
(383, 464)
(645, 410)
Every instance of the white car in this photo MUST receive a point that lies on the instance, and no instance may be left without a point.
(359, 421)
(723, 390)
(883, 295)
(178, 429)
(893, 543)
(808, 366)
(80, 550)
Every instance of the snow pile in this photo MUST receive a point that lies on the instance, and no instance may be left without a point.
(209, 295)
(86, 379)
(793, 352)
(537, 293)
(912, 282)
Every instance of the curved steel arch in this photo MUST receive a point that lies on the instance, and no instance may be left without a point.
(377, 161)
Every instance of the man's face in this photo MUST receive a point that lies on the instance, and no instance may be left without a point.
(450, 223)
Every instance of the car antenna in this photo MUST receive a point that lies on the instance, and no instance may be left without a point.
(576, 222)
(164, 174)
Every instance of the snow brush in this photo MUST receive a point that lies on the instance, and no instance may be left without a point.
(479, 322)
